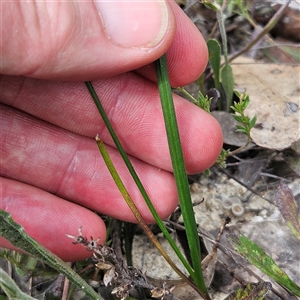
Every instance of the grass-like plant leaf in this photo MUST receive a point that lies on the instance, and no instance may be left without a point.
(227, 80)
(179, 171)
(135, 210)
(136, 178)
(214, 50)
(15, 233)
(256, 256)
(11, 289)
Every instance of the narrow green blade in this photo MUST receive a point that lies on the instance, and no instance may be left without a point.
(15, 233)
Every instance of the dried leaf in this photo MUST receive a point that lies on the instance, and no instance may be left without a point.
(285, 201)
(208, 266)
(103, 265)
(121, 291)
(109, 276)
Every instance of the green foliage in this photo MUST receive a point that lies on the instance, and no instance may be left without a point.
(179, 172)
(23, 263)
(221, 161)
(240, 7)
(227, 83)
(10, 288)
(15, 233)
(134, 175)
(256, 256)
(252, 291)
(222, 74)
(204, 102)
(165, 91)
(239, 114)
(239, 107)
(214, 50)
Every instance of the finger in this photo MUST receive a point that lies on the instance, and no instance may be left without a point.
(75, 40)
(48, 219)
(71, 167)
(188, 55)
(133, 106)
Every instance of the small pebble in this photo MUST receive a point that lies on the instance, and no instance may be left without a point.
(257, 219)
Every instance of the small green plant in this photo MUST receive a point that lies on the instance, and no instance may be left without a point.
(251, 291)
(221, 160)
(239, 115)
(24, 264)
(239, 107)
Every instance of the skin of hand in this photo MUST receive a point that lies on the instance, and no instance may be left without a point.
(52, 174)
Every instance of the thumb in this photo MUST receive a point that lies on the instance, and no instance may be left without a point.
(77, 40)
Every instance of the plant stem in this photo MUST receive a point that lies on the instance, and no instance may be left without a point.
(186, 93)
(266, 29)
(136, 178)
(136, 212)
(180, 172)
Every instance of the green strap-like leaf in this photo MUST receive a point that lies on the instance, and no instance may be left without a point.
(179, 171)
(135, 211)
(10, 288)
(135, 177)
(256, 256)
(15, 233)
(214, 50)
(228, 84)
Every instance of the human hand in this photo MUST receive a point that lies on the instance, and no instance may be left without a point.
(52, 172)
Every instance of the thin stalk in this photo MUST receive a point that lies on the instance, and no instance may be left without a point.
(135, 210)
(186, 93)
(136, 178)
(179, 171)
(240, 148)
(273, 21)
(220, 19)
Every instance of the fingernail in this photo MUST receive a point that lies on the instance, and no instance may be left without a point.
(140, 23)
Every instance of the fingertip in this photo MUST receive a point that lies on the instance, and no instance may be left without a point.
(212, 145)
(48, 219)
(144, 23)
(188, 56)
(163, 194)
(201, 136)
(92, 227)
(71, 40)
(211, 139)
